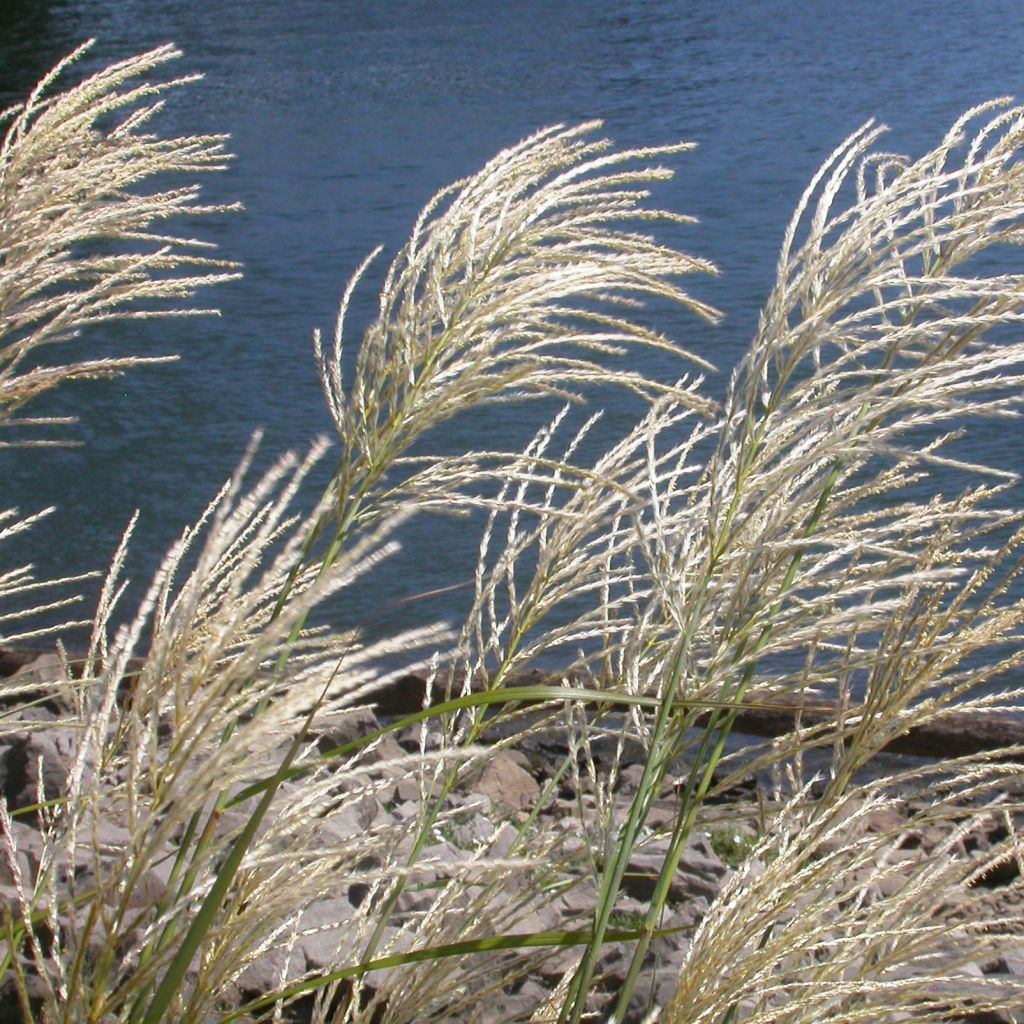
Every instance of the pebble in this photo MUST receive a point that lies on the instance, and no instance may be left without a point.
(490, 813)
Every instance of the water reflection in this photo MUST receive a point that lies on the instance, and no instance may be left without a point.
(346, 116)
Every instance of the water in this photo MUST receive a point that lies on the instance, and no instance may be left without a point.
(346, 117)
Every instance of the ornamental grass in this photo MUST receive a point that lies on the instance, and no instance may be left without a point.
(790, 545)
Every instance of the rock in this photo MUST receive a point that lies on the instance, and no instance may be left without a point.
(543, 918)
(352, 819)
(409, 810)
(151, 886)
(681, 922)
(11, 898)
(502, 841)
(1014, 961)
(612, 964)
(655, 987)
(629, 777)
(744, 791)
(46, 673)
(885, 820)
(393, 941)
(325, 928)
(700, 872)
(500, 1008)
(471, 803)
(415, 899)
(472, 834)
(54, 749)
(506, 784)
(699, 858)
(1002, 871)
(411, 740)
(28, 851)
(473, 830)
(270, 970)
(662, 816)
(545, 753)
(338, 730)
(579, 902)
(405, 789)
(438, 862)
(553, 967)
(10, 1004)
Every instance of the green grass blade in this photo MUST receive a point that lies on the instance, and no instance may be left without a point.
(469, 947)
(170, 985)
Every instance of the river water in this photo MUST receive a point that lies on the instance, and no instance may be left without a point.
(346, 117)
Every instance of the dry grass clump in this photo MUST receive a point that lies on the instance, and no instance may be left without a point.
(202, 826)
(836, 926)
(80, 241)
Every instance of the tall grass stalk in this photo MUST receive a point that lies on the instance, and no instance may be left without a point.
(202, 826)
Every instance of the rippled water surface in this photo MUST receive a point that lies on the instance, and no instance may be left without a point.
(345, 118)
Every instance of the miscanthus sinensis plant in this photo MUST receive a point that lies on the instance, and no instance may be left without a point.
(783, 547)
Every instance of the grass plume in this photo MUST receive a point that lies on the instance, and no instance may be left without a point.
(81, 242)
(226, 802)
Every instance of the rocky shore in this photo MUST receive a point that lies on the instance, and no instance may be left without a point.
(481, 822)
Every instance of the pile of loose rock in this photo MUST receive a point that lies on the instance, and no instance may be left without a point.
(486, 812)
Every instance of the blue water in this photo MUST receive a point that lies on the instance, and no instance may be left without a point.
(346, 117)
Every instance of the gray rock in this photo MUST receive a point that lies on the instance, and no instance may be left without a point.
(416, 899)
(655, 987)
(338, 730)
(268, 971)
(612, 965)
(151, 886)
(629, 777)
(54, 750)
(353, 819)
(680, 922)
(47, 673)
(551, 969)
(579, 901)
(10, 898)
(503, 841)
(700, 872)
(28, 849)
(501, 1008)
(409, 810)
(699, 858)
(325, 927)
(885, 820)
(662, 815)
(543, 918)
(687, 916)
(506, 784)
(10, 1004)
(472, 834)
(437, 862)
(1014, 961)
(405, 788)
(393, 941)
